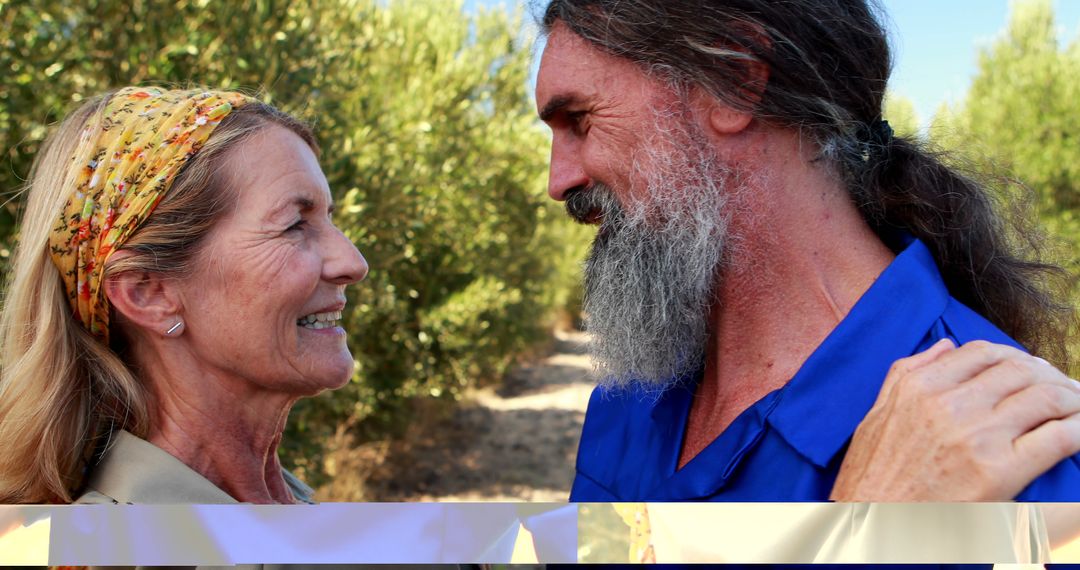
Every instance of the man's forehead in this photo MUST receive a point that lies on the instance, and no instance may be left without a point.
(562, 39)
(573, 68)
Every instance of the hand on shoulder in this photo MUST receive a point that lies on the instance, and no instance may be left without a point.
(974, 423)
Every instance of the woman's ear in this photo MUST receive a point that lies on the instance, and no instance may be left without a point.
(145, 299)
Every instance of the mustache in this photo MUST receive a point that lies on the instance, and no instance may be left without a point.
(592, 204)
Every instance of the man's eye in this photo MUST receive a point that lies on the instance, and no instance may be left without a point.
(296, 226)
(576, 120)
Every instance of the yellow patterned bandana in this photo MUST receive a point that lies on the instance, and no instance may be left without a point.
(127, 161)
(636, 516)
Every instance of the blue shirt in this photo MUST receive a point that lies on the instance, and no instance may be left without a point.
(788, 446)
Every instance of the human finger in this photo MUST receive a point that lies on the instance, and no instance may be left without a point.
(901, 368)
(1035, 405)
(1013, 374)
(1045, 446)
(966, 362)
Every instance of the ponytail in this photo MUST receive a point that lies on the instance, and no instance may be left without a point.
(991, 262)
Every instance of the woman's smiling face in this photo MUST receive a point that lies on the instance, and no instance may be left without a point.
(265, 300)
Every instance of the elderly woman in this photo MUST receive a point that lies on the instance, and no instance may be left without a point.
(177, 287)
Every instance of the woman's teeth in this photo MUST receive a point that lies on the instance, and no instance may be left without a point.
(319, 320)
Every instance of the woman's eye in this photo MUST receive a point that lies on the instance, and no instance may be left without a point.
(296, 226)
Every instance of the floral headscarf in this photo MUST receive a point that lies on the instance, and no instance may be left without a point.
(127, 159)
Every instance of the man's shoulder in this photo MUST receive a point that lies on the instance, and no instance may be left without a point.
(612, 411)
(608, 423)
(627, 405)
(619, 430)
(606, 395)
(964, 325)
(1061, 482)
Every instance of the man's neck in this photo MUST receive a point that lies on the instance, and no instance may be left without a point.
(802, 260)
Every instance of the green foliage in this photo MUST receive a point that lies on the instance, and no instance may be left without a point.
(54, 54)
(1021, 118)
(1024, 105)
(900, 112)
(429, 141)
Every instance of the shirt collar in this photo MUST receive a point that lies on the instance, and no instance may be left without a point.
(135, 471)
(835, 388)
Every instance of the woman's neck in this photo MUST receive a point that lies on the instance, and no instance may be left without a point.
(238, 456)
(226, 429)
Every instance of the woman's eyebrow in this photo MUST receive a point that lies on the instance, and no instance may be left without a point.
(304, 203)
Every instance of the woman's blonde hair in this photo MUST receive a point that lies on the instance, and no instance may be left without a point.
(62, 391)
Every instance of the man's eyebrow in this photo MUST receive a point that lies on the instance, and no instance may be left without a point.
(555, 105)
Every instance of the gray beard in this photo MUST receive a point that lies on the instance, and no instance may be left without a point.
(654, 267)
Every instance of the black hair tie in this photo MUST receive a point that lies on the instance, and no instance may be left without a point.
(881, 133)
(876, 138)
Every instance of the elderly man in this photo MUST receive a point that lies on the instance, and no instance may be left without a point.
(767, 249)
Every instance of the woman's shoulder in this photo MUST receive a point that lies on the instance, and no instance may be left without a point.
(95, 498)
(135, 471)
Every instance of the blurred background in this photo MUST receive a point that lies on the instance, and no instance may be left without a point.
(471, 379)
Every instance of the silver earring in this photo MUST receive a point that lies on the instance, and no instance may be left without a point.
(174, 327)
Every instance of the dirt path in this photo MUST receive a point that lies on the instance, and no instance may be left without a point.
(513, 442)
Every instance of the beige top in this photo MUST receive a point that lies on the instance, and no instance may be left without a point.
(135, 471)
(897, 533)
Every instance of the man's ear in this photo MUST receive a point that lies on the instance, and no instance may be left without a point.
(145, 299)
(725, 119)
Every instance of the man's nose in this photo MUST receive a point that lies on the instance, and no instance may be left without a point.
(567, 170)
